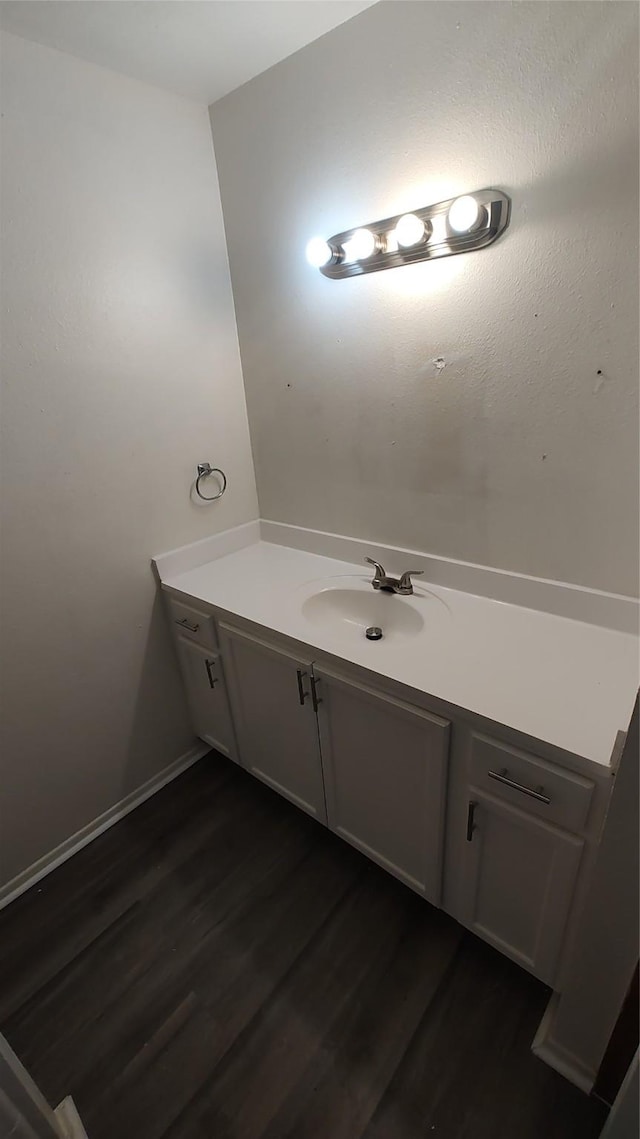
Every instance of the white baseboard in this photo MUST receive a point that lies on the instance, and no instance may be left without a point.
(558, 1057)
(67, 1116)
(70, 846)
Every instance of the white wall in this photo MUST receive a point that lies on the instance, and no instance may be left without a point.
(519, 453)
(120, 372)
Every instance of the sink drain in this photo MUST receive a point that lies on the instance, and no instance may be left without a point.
(373, 633)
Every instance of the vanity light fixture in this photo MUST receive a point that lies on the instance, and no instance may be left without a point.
(459, 225)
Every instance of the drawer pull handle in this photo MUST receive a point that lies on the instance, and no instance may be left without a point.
(503, 777)
(186, 625)
(471, 825)
(213, 680)
(302, 695)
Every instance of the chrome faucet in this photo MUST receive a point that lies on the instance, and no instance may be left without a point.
(402, 585)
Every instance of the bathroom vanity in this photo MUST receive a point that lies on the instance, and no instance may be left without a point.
(470, 751)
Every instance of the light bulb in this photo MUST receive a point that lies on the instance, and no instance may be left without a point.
(360, 245)
(465, 214)
(410, 230)
(319, 252)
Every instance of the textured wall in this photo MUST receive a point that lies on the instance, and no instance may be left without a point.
(120, 371)
(522, 452)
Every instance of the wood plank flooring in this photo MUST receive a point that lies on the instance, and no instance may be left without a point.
(219, 966)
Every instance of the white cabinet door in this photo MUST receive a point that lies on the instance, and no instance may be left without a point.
(274, 717)
(384, 765)
(519, 876)
(204, 681)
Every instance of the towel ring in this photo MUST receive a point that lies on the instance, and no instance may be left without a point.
(204, 470)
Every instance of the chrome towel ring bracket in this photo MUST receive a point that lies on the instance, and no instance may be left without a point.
(204, 470)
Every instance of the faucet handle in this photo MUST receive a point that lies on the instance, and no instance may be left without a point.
(405, 580)
(380, 571)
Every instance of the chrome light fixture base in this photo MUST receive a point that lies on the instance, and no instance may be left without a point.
(440, 239)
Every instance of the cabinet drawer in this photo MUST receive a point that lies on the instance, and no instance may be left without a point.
(192, 624)
(530, 783)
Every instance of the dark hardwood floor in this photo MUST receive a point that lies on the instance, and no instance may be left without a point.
(219, 966)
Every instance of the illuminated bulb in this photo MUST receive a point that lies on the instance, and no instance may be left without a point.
(361, 245)
(464, 214)
(410, 230)
(319, 252)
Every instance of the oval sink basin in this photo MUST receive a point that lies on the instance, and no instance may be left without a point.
(351, 611)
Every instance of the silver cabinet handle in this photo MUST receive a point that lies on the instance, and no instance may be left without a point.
(314, 693)
(471, 825)
(185, 625)
(213, 680)
(302, 695)
(503, 777)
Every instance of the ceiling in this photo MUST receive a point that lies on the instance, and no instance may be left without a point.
(201, 49)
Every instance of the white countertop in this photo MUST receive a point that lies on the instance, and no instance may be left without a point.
(564, 681)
